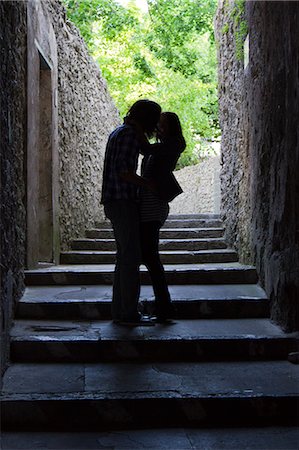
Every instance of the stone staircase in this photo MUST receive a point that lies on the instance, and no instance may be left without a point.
(188, 241)
(222, 364)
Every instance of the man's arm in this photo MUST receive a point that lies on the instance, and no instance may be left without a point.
(130, 147)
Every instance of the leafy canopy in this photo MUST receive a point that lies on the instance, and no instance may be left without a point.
(167, 55)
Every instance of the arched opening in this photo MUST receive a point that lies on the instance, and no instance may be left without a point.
(165, 51)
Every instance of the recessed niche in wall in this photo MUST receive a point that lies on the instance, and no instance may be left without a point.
(45, 142)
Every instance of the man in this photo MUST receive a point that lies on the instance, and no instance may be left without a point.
(120, 199)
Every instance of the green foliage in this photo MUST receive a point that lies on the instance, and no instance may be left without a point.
(173, 25)
(240, 27)
(142, 65)
(225, 28)
(240, 36)
(113, 17)
(168, 55)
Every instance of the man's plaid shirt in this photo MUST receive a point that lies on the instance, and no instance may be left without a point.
(121, 156)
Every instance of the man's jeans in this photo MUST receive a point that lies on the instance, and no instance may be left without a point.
(124, 216)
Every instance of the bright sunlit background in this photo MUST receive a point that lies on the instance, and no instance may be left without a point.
(163, 50)
(142, 4)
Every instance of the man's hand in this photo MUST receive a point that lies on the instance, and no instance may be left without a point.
(131, 177)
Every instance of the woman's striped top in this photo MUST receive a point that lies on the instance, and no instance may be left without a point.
(152, 208)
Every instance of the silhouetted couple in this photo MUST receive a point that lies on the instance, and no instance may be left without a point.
(137, 206)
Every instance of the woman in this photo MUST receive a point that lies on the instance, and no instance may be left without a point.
(158, 164)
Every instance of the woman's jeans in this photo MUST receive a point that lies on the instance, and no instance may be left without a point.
(124, 216)
(151, 259)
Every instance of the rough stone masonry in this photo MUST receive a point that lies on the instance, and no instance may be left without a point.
(259, 112)
(87, 115)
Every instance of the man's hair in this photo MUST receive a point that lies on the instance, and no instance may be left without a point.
(146, 112)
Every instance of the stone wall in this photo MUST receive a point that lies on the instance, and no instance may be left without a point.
(201, 186)
(83, 116)
(259, 120)
(86, 116)
(12, 153)
(274, 116)
(235, 171)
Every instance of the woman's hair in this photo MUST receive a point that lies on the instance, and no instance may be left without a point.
(174, 125)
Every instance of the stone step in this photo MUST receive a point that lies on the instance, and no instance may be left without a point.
(184, 340)
(256, 438)
(167, 257)
(220, 273)
(206, 216)
(107, 396)
(193, 301)
(165, 233)
(178, 223)
(165, 244)
(193, 223)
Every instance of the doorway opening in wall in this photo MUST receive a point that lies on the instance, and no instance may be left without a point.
(45, 144)
(164, 50)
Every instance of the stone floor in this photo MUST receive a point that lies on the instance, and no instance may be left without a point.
(152, 380)
(189, 292)
(213, 273)
(104, 267)
(190, 301)
(279, 438)
(101, 396)
(182, 340)
(180, 329)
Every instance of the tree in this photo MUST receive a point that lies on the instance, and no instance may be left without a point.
(167, 55)
(174, 26)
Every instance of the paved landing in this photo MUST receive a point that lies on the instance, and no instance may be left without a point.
(183, 340)
(104, 293)
(110, 267)
(216, 273)
(191, 301)
(158, 380)
(280, 438)
(181, 329)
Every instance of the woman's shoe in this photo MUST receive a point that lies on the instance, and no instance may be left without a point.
(138, 321)
(166, 312)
